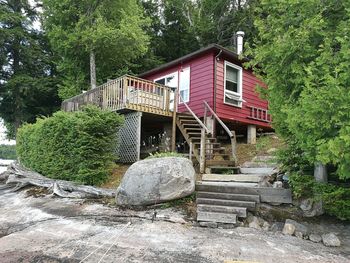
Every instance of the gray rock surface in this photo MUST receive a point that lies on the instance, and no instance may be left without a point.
(288, 229)
(298, 227)
(315, 238)
(311, 208)
(331, 240)
(298, 234)
(157, 180)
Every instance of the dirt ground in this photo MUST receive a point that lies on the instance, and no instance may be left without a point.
(51, 229)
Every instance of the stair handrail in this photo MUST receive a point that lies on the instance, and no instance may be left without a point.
(231, 134)
(194, 115)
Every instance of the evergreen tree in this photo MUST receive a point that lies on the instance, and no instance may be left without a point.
(27, 76)
(103, 36)
(302, 53)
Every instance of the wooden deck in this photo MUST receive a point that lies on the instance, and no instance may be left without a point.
(126, 93)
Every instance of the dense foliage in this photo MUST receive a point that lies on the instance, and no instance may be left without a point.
(8, 152)
(27, 74)
(302, 53)
(77, 146)
(335, 199)
(112, 31)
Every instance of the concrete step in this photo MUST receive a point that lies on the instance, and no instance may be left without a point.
(217, 217)
(239, 211)
(227, 196)
(259, 170)
(249, 178)
(222, 202)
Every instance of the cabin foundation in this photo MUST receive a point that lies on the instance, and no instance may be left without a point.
(251, 134)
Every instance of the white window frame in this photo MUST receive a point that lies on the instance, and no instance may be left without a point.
(189, 84)
(238, 96)
(168, 75)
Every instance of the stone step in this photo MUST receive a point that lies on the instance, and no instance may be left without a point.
(239, 211)
(228, 196)
(259, 170)
(217, 217)
(249, 178)
(222, 202)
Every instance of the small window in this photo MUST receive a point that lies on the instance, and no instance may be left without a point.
(233, 85)
(185, 84)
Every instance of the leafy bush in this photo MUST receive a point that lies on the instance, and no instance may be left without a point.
(78, 146)
(165, 154)
(336, 199)
(8, 152)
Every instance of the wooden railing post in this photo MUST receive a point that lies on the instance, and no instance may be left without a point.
(173, 134)
(202, 152)
(234, 147)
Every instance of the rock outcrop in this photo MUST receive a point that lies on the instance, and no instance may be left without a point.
(157, 180)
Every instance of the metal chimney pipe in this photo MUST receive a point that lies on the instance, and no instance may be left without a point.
(239, 35)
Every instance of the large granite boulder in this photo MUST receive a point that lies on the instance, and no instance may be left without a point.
(157, 180)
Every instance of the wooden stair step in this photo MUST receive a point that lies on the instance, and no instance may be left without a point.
(257, 170)
(217, 217)
(219, 162)
(193, 129)
(225, 202)
(267, 194)
(207, 143)
(199, 138)
(239, 211)
(210, 169)
(228, 196)
(186, 121)
(249, 178)
(186, 117)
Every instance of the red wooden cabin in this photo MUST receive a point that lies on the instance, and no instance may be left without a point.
(216, 75)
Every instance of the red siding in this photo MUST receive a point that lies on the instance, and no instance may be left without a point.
(201, 81)
(232, 113)
(202, 88)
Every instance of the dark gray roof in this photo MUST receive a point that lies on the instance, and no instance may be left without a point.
(212, 47)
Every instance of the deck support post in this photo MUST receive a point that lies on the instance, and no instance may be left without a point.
(320, 173)
(173, 135)
(251, 134)
(202, 152)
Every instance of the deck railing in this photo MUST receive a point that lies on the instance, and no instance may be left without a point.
(126, 92)
(259, 114)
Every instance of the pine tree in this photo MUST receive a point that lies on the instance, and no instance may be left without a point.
(27, 83)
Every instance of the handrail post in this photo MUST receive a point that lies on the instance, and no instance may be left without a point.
(202, 152)
(173, 134)
(191, 151)
(234, 146)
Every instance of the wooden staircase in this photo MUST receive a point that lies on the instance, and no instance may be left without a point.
(192, 131)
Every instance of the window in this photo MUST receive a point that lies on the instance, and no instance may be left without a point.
(170, 80)
(185, 84)
(233, 85)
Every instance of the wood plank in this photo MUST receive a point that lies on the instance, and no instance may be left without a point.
(251, 178)
(217, 217)
(229, 196)
(258, 170)
(239, 211)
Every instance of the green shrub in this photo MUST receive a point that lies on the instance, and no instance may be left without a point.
(77, 146)
(8, 152)
(335, 198)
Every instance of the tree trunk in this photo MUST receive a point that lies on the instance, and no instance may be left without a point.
(19, 177)
(92, 69)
